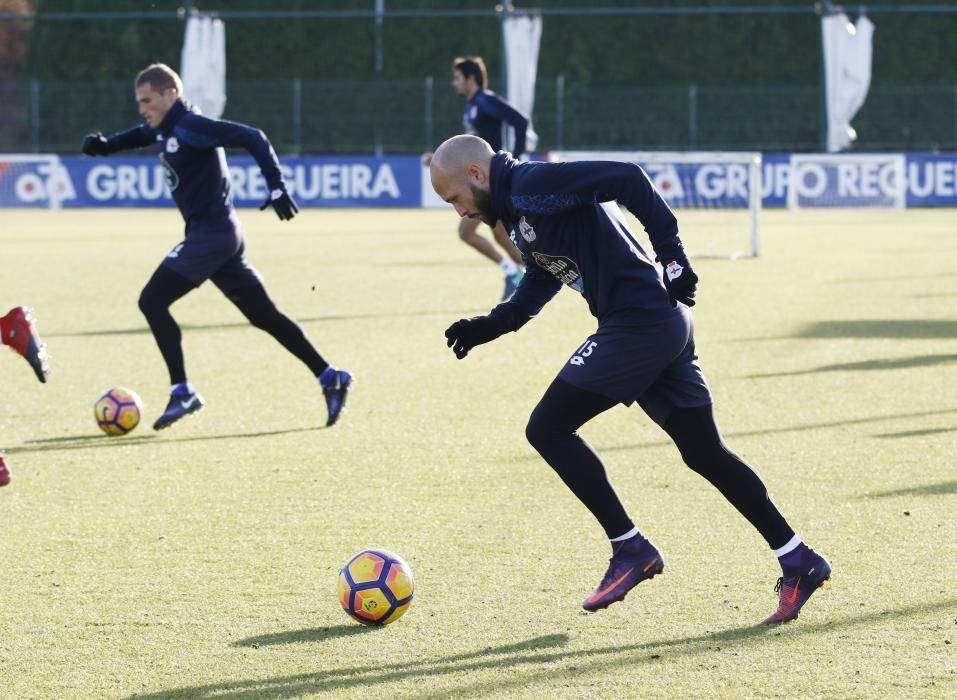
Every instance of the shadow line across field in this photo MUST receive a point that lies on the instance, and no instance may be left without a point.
(868, 365)
(532, 654)
(801, 427)
(144, 330)
(83, 442)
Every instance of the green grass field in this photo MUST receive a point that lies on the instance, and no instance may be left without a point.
(201, 562)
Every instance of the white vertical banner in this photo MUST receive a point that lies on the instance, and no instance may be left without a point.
(522, 35)
(848, 49)
(203, 68)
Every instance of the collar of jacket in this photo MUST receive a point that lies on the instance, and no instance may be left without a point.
(500, 185)
(175, 113)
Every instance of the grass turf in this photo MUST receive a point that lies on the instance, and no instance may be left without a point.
(201, 562)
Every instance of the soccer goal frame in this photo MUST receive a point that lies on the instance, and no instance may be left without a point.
(748, 166)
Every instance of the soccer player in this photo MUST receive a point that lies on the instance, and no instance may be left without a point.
(191, 152)
(487, 115)
(565, 219)
(18, 331)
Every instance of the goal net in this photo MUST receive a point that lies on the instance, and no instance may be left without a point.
(718, 192)
(34, 180)
(847, 180)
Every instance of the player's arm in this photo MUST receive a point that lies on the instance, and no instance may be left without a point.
(534, 291)
(202, 132)
(554, 187)
(96, 144)
(503, 111)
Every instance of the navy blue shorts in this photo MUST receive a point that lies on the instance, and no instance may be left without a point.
(653, 364)
(213, 252)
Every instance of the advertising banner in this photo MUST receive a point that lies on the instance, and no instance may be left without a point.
(49, 181)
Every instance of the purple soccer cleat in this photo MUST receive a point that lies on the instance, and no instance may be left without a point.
(632, 561)
(798, 584)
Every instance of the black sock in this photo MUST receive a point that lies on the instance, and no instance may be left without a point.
(696, 435)
(552, 432)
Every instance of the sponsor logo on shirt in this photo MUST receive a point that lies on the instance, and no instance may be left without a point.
(564, 269)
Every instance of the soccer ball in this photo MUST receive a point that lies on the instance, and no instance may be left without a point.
(375, 587)
(118, 411)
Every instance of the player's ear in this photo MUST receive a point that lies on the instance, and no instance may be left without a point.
(475, 172)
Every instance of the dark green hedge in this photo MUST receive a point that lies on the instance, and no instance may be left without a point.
(757, 75)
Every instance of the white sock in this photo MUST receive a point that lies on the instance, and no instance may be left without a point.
(628, 535)
(509, 268)
(788, 548)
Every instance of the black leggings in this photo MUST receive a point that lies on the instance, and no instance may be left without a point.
(564, 409)
(167, 286)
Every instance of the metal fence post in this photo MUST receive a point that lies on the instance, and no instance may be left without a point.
(560, 112)
(428, 113)
(35, 115)
(296, 116)
(692, 116)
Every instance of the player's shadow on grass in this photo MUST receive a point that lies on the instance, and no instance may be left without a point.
(144, 330)
(944, 488)
(530, 661)
(880, 328)
(313, 634)
(83, 442)
(868, 365)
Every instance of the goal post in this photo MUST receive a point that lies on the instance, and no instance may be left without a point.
(725, 186)
(876, 180)
(34, 180)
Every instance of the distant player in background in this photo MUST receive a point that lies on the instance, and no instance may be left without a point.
(488, 116)
(18, 331)
(566, 221)
(191, 152)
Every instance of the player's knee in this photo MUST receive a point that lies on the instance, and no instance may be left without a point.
(151, 303)
(257, 307)
(540, 432)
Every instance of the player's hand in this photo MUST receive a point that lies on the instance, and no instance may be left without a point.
(94, 144)
(466, 333)
(282, 202)
(680, 280)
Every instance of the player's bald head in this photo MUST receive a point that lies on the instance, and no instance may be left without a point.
(460, 175)
(455, 155)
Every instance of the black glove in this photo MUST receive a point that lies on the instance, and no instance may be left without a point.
(94, 145)
(680, 280)
(465, 334)
(283, 203)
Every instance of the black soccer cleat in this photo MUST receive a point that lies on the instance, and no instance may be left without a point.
(179, 406)
(335, 387)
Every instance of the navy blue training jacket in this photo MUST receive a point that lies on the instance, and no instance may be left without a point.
(565, 219)
(486, 114)
(191, 151)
